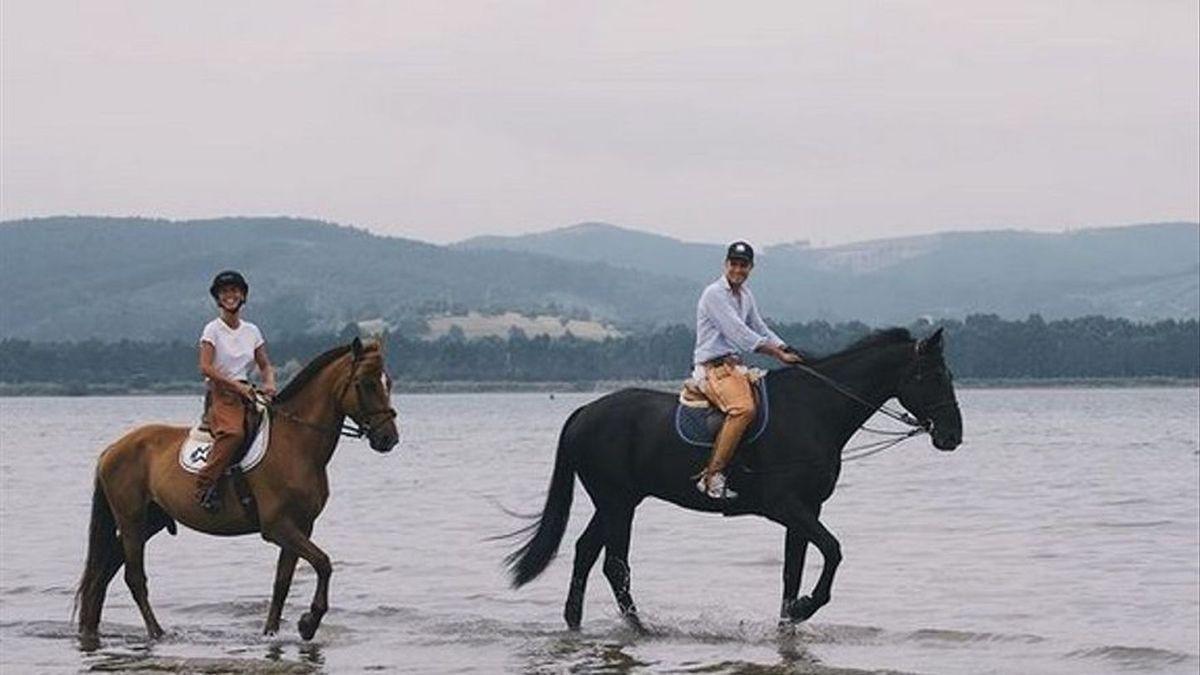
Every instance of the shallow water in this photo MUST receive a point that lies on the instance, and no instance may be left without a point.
(1060, 538)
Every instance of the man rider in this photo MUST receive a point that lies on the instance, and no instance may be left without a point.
(728, 324)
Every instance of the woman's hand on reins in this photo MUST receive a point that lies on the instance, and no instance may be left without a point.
(246, 391)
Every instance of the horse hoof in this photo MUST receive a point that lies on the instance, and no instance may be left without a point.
(573, 616)
(89, 640)
(155, 633)
(802, 609)
(308, 626)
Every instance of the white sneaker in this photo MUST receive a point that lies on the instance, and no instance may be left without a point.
(715, 487)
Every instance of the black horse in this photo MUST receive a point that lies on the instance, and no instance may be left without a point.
(624, 448)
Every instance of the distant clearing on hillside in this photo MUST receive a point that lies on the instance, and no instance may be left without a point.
(475, 325)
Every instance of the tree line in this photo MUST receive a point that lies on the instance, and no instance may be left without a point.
(981, 347)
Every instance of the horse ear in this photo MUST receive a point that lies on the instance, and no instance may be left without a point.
(356, 347)
(933, 343)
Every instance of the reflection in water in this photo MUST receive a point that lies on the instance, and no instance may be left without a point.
(576, 653)
(310, 652)
(625, 653)
(791, 650)
(579, 653)
(116, 663)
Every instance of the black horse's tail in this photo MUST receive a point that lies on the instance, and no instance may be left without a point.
(104, 549)
(527, 562)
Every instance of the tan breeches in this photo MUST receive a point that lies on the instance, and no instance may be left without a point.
(227, 419)
(730, 391)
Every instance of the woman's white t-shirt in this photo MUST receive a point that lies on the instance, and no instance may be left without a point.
(234, 347)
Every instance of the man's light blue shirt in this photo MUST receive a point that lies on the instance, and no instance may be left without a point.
(729, 323)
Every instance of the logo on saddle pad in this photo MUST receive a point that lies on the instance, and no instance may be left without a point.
(699, 425)
(193, 454)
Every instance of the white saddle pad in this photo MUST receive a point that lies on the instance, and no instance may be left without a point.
(193, 454)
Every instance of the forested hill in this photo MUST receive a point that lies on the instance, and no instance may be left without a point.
(112, 278)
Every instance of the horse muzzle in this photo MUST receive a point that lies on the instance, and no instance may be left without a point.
(383, 441)
(947, 441)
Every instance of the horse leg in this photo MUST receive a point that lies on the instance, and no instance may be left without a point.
(804, 520)
(587, 549)
(283, 582)
(133, 543)
(291, 537)
(795, 549)
(617, 525)
(96, 587)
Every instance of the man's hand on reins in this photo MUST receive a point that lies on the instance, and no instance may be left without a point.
(783, 353)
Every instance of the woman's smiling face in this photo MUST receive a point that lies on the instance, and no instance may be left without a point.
(230, 298)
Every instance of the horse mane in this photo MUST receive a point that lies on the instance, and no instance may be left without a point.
(879, 338)
(310, 371)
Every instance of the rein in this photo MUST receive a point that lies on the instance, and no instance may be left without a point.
(344, 429)
(354, 429)
(916, 427)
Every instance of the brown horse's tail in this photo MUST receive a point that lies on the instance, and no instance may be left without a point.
(104, 556)
(528, 561)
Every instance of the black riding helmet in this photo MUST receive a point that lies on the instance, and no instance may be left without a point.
(228, 278)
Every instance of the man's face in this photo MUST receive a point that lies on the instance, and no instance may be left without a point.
(230, 298)
(737, 270)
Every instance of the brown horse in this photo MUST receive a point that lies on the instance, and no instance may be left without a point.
(140, 487)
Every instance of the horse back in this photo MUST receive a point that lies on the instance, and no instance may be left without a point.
(627, 439)
(629, 409)
(141, 446)
(125, 466)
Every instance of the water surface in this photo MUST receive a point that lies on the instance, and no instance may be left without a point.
(1060, 538)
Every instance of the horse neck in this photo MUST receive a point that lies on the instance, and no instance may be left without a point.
(873, 374)
(317, 404)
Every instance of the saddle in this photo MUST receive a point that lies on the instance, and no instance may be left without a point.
(697, 420)
(193, 454)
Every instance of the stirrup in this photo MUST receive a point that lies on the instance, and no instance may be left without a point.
(210, 499)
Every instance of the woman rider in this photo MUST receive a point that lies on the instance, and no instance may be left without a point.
(228, 345)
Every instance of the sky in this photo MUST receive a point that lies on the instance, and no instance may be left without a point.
(706, 121)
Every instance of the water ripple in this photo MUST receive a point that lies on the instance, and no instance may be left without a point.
(1138, 658)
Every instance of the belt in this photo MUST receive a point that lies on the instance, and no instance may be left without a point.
(731, 359)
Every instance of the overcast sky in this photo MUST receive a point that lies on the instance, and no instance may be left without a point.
(773, 121)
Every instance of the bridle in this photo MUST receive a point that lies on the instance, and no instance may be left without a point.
(356, 428)
(916, 426)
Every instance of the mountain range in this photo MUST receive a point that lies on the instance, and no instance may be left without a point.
(71, 278)
(1142, 272)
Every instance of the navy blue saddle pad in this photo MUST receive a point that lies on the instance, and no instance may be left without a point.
(699, 426)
